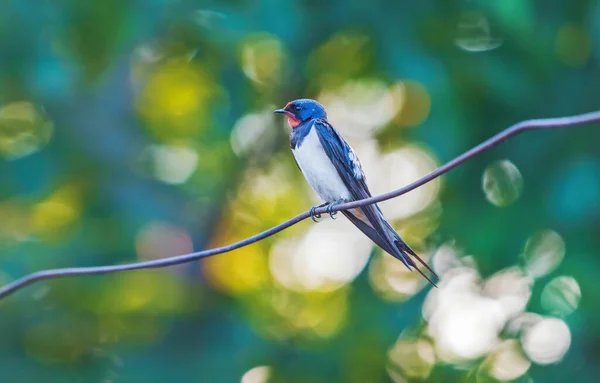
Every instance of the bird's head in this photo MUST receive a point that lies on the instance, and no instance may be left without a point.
(302, 110)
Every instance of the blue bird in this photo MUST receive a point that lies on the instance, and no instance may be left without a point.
(334, 172)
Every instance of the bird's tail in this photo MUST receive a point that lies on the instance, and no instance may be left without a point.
(407, 252)
(387, 238)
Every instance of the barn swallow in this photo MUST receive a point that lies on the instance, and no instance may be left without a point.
(334, 172)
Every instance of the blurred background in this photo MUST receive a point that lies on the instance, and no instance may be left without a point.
(135, 130)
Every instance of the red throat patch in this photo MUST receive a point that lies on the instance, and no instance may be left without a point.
(292, 122)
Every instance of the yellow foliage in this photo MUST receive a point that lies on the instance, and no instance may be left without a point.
(175, 99)
(55, 216)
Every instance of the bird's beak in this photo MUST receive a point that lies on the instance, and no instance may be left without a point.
(283, 111)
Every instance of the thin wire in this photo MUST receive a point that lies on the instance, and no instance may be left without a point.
(549, 123)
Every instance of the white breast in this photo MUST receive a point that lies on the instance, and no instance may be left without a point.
(318, 169)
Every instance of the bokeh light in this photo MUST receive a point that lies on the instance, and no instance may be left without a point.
(264, 193)
(413, 358)
(522, 323)
(329, 256)
(162, 239)
(156, 292)
(259, 374)
(144, 60)
(393, 170)
(358, 108)
(502, 183)
(344, 55)
(475, 33)
(507, 362)
(24, 129)
(254, 134)
(561, 296)
(544, 251)
(469, 318)
(56, 216)
(172, 164)
(399, 168)
(15, 226)
(464, 324)
(392, 280)
(415, 103)
(263, 59)
(511, 288)
(311, 315)
(447, 257)
(175, 99)
(547, 341)
(241, 272)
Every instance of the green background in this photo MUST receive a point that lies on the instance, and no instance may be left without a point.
(134, 130)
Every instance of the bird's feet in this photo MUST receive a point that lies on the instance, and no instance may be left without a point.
(331, 205)
(314, 216)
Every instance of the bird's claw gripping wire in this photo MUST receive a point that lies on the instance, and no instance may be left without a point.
(314, 216)
(330, 207)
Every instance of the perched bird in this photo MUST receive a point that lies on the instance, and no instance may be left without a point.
(334, 172)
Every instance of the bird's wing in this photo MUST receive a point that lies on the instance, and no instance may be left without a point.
(368, 230)
(368, 219)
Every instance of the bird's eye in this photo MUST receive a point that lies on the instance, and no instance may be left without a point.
(297, 108)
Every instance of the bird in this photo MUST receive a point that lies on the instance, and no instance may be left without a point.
(334, 172)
